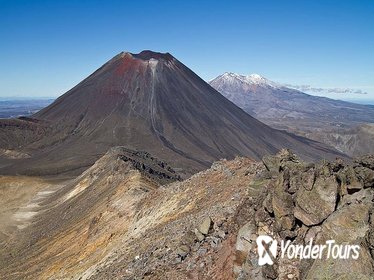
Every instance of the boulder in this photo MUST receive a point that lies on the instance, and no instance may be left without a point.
(283, 205)
(362, 196)
(199, 236)
(366, 161)
(244, 239)
(244, 248)
(283, 210)
(342, 268)
(182, 251)
(282, 158)
(300, 178)
(347, 224)
(205, 226)
(348, 180)
(370, 235)
(328, 201)
(267, 204)
(315, 205)
(365, 175)
(272, 164)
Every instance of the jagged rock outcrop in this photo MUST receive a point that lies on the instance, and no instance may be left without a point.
(118, 221)
(326, 201)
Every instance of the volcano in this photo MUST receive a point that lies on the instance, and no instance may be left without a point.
(148, 102)
(346, 126)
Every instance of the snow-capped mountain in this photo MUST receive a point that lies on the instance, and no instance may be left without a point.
(290, 109)
(265, 99)
(235, 82)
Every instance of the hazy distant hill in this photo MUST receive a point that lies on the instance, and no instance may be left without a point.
(16, 108)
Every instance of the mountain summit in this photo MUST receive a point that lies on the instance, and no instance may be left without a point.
(337, 123)
(230, 79)
(149, 102)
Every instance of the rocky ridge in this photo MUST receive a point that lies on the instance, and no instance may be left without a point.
(127, 225)
(295, 201)
(323, 202)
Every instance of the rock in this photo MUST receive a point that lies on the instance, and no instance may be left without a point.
(288, 269)
(270, 271)
(283, 158)
(219, 166)
(370, 235)
(306, 203)
(244, 238)
(272, 164)
(287, 158)
(283, 206)
(262, 215)
(218, 224)
(354, 187)
(348, 180)
(342, 268)
(177, 260)
(220, 234)
(312, 233)
(362, 196)
(182, 251)
(365, 175)
(196, 246)
(205, 226)
(287, 234)
(299, 174)
(337, 165)
(263, 229)
(347, 224)
(188, 238)
(200, 237)
(294, 181)
(314, 206)
(202, 251)
(191, 266)
(366, 161)
(268, 204)
(214, 241)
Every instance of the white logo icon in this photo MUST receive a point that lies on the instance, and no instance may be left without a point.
(267, 249)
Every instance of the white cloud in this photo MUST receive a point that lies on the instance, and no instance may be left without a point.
(308, 88)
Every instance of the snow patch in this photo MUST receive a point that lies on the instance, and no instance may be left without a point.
(153, 64)
(252, 79)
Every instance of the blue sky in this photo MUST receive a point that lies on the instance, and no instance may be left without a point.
(46, 47)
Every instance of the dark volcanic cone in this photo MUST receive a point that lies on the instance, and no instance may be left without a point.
(150, 102)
